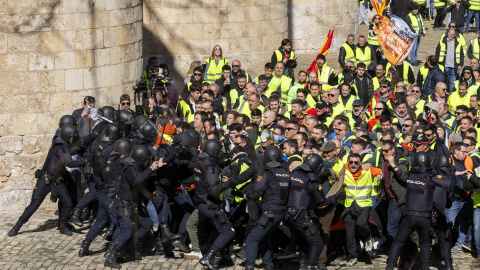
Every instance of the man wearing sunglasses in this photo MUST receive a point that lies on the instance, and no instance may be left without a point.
(237, 70)
(467, 76)
(359, 187)
(197, 77)
(441, 93)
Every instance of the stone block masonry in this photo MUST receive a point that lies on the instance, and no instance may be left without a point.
(52, 54)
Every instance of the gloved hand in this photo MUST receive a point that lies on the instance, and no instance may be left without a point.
(340, 196)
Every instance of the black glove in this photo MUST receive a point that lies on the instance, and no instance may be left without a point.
(340, 196)
(89, 160)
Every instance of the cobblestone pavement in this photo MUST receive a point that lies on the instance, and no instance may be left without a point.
(40, 246)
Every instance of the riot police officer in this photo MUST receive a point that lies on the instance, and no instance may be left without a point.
(272, 185)
(128, 172)
(207, 198)
(304, 185)
(420, 184)
(110, 135)
(443, 198)
(52, 178)
(107, 199)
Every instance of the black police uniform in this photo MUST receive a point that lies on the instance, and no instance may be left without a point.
(305, 185)
(131, 174)
(273, 186)
(107, 201)
(54, 171)
(207, 168)
(420, 185)
(443, 198)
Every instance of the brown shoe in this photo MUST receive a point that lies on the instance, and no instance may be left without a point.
(477, 260)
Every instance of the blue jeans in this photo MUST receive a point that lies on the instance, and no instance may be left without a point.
(460, 30)
(394, 215)
(152, 213)
(431, 9)
(414, 51)
(476, 226)
(464, 211)
(470, 14)
(452, 76)
(362, 9)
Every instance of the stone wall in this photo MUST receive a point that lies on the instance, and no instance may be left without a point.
(311, 20)
(52, 54)
(180, 32)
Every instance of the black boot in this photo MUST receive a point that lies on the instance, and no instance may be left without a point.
(167, 235)
(208, 259)
(16, 228)
(111, 258)
(303, 264)
(109, 234)
(448, 264)
(64, 228)
(310, 267)
(249, 267)
(180, 243)
(268, 267)
(75, 219)
(84, 249)
(159, 247)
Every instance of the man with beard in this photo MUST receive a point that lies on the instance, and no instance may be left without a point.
(318, 133)
(379, 78)
(358, 114)
(237, 70)
(401, 111)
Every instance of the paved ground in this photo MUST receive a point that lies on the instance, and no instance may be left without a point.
(40, 246)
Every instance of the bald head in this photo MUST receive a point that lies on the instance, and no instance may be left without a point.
(451, 34)
(268, 118)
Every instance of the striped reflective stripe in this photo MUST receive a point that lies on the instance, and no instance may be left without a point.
(359, 198)
(349, 59)
(240, 109)
(359, 187)
(364, 61)
(476, 49)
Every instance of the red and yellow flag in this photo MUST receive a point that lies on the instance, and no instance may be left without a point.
(324, 50)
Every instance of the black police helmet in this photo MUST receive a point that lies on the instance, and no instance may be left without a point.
(195, 137)
(112, 132)
(442, 161)
(139, 121)
(108, 112)
(421, 159)
(122, 146)
(213, 148)
(68, 132)
(312, 163)
(126, 119)
(183, 139)
(142, 155)
(67, 120)
(149, 131)
(273, 156)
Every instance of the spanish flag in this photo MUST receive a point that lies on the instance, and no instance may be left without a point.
(324, 50)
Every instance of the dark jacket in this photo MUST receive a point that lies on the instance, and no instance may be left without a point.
(342, 53)
(400, 8)
(225, 89)
(458, 14)
(434, 76)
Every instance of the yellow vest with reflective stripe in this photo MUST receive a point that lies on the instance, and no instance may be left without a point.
(474, 4)
(187, 111)
(372, 40)
(323, 77)
(243, 168)
(350, 54)
(443, 52)
(213, 71)
(420, 2)
(233, 96)
(298, 156)
(475, 48)
(360, 191)
(348, 106)
(438, 3)
(243, 106)
(362, 57)
(415, 26)
(419, 107)
(281, 85)
(406, 66)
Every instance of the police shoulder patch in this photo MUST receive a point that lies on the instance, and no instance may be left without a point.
(439, 176)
